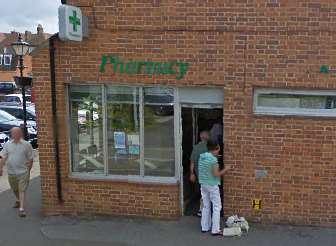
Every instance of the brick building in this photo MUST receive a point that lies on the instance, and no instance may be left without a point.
(132, 97)
(8, 60)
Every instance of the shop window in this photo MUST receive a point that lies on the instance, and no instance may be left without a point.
(123, 130)
(159, 132)
(295, 102)
(86, 129)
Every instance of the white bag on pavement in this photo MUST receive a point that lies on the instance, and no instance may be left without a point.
(231, 232)
(235, 221)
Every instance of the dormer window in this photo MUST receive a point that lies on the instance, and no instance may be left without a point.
(7, 59)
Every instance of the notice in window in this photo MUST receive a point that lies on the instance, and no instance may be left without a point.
(133, 144)
(119, 140)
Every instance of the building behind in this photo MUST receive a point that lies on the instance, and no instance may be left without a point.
(273, 62)
(8, 59)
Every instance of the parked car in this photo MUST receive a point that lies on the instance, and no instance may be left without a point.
(164, 110)
(17, 98)
(7, 87)
(17, 111)
(4, 137)
(8, 121)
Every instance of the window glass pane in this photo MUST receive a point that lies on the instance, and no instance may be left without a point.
(159, 151)
(158, 96)
(123, 128)
(309, 103)
(86, 129)
(281, 101)
(8, 59)
(313, 102)
(296, 101)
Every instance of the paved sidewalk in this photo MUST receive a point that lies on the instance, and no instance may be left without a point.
(15, 231)
(186, 232)
(65, 231)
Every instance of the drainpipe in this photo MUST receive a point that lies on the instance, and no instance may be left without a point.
(54, 116)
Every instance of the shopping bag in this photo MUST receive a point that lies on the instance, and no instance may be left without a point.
(232, 232)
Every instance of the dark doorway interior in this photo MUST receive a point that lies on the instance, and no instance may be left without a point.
(195, 120)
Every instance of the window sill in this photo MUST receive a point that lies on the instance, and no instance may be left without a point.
(124, 179)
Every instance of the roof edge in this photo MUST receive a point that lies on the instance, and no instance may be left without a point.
(44, 44)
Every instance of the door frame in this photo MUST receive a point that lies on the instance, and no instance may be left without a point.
(179, 139)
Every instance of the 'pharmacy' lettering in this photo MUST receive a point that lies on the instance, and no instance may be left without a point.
(177, 68)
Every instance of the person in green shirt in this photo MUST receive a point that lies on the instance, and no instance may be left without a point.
(198, 149)
(209, 177)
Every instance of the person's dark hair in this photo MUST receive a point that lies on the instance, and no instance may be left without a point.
(203, 131)
(212, 145)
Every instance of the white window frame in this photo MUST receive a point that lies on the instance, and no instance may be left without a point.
(277, 111)
(129, 178)
(10, 59)
(1, 58)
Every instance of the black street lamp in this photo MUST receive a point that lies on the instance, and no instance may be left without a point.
(21, 48)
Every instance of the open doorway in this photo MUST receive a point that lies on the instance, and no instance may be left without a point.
(195, 120)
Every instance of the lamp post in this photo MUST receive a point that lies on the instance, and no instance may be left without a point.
(21, 48)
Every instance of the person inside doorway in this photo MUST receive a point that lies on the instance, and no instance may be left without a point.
(198, 149)
(216, 132)
(209, 179)
(17, 154)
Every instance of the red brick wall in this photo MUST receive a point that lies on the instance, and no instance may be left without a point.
(238, 45)
(6, 76)
(87, 196)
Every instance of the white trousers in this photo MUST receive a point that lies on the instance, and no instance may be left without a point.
(210, 195)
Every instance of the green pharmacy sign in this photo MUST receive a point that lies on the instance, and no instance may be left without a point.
(324, 69)
(70, 22)
(74, 21)
(328, 69)
(174, 68)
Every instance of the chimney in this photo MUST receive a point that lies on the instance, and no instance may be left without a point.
(39, 29)
(28, 35)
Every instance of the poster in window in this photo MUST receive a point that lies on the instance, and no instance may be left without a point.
(133, 144)
(119, 140)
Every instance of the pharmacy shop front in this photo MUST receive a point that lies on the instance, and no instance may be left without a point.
(140, 134)
(118, 113)
(118, 138)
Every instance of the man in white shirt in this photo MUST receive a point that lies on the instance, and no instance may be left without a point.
(17, 154)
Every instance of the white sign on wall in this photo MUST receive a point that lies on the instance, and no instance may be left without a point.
(70, 21)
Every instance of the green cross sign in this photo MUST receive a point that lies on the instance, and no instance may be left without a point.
(70, 23)
(74, 21)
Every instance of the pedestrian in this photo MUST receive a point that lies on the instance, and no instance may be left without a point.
(17, 154)
(209, 178)
(198, 149)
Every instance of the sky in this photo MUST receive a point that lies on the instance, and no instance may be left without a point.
(21, 15)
